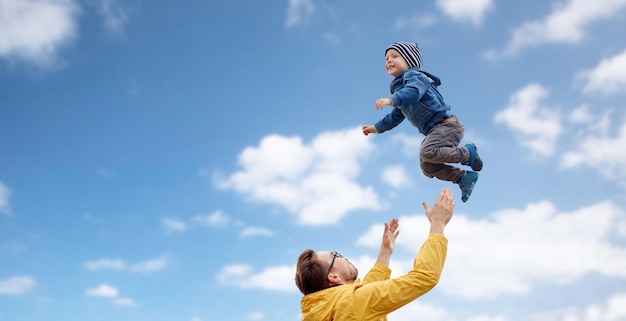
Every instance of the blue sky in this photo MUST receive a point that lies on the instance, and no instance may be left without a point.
(170, 160)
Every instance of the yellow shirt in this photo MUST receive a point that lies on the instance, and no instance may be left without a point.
(377, 295)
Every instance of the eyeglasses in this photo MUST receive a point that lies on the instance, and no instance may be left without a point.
(335, 255)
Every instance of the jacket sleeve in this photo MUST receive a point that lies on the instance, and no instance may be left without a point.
(379, 272)
(377, 299)
(393, 119)
(415, 84)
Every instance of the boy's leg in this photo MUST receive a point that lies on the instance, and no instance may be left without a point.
(441, 146)
(443, 172)
(465, 179)
(474, 160)
(466, 183)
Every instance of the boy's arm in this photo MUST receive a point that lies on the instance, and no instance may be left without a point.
(414, 88)
(382, 102)
(393, 119)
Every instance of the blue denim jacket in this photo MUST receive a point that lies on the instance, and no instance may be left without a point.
(415, 96)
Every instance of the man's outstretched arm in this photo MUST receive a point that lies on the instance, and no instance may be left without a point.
(378, 272)
(381, 298)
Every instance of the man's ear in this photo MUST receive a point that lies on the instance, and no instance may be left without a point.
(334, 280)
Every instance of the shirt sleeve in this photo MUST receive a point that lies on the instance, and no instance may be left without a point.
(377, 299)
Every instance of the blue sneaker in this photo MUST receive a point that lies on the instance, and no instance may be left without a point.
(474, 160)
(466, 183)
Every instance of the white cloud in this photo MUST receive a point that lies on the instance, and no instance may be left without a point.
(149, 265)
(255, 231)
(581, 115)
(426, 312)
(588, 122)
(487, 318)
(609, 76)
(256, 316)
(105, 264)
(273, 278)
(114, 15)
(235, 270)
(128, 302)
(566, 24)
(511, 250)
(396, 177)
(413, 22)
(107, 291)
(298, 12)
(118, 264)
(602, 152)
(174, 225)
(315, 182)
(518, 249)
(372, 236)
(16, 285)
(411, 144)
(614, 309)
(34, 30)
(217, 218)
(332, 38)
(529, 241)
(537, 127)
(461, 10)
(4, 199)
(103, 290)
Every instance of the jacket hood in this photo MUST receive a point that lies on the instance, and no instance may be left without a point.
(321, 304)
(436, 80)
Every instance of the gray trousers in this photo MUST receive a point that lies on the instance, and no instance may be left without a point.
(441, 148)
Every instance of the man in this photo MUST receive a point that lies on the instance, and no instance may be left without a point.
(331, 291)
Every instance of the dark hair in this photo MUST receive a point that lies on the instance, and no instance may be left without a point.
(311, 275)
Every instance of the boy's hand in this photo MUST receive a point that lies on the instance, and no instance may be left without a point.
(369, 129)
(382, 102)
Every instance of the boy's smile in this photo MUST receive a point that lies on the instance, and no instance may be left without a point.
(395, 63)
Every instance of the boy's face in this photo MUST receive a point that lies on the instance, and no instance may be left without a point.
(394, 63)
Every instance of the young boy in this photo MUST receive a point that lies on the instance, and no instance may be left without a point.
(414, 96)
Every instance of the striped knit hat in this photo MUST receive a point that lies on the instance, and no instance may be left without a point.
(410, 51)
